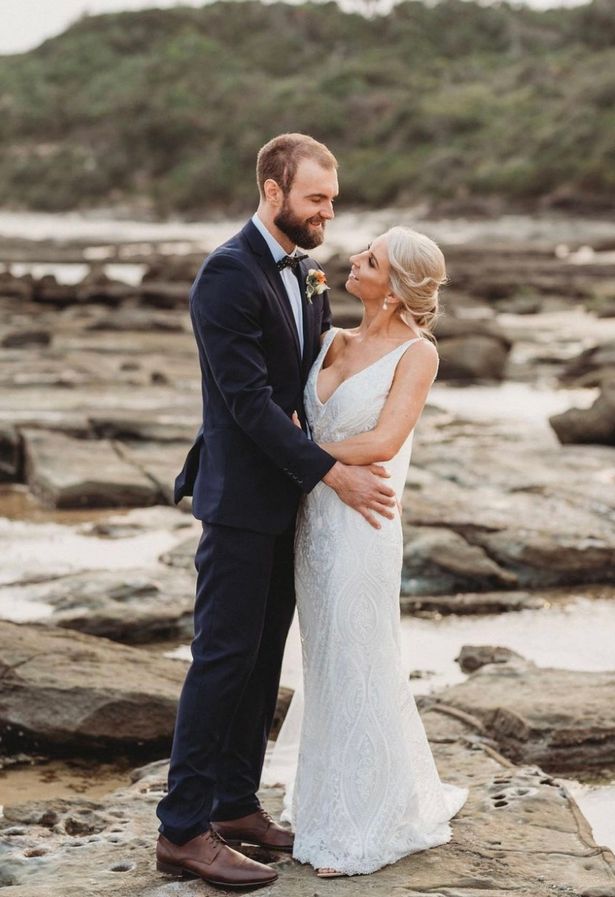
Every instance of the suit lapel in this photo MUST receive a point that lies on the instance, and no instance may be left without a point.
(308, 319)
(267, 265)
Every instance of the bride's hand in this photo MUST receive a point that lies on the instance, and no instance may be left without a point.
(295, 420)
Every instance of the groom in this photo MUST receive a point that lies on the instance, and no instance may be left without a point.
(257, 335)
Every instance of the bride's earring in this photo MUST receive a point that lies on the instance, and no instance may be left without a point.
(385, 305)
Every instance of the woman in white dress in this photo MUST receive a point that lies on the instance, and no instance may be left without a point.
(366, 789)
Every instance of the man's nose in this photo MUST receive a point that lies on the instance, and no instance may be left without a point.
(327, 211)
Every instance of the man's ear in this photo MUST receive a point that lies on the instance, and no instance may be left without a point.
(273, 192)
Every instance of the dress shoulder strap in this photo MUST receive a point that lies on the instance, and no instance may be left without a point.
(415, 339)
(330, 336)
(401, 349)
(328, 339)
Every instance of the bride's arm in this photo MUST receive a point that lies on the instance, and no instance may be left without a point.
(402, 409)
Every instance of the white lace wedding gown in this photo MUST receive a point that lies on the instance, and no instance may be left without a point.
(366, 788)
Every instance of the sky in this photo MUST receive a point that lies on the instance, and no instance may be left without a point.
(26, 23)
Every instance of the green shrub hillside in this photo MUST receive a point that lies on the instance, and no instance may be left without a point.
(439, 103)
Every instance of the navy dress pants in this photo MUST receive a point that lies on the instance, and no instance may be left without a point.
(245, 599)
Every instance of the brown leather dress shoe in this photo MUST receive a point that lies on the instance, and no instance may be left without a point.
(258, 828)
(209, 857)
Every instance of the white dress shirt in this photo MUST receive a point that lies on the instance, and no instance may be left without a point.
(289, 279)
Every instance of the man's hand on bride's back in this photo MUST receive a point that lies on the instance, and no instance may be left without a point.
(365, 489)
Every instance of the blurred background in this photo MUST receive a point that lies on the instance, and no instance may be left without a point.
(128, 138)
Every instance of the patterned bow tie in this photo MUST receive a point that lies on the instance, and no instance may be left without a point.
(290, 261)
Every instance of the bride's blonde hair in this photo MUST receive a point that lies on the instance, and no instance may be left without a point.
(418, 270)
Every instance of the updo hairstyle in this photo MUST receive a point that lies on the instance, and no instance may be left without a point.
(418, 270)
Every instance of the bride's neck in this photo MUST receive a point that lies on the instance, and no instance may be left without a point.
(379, 323)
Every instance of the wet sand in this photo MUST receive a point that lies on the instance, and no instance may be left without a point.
(42, 779)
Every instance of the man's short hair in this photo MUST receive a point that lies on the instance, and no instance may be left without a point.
(279, 159)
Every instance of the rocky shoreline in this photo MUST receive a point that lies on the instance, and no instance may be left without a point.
(520, 832)
(99, 400)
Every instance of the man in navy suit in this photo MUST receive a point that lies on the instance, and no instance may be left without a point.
(257, 336)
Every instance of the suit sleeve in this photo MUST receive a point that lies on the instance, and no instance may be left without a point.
(225, 311)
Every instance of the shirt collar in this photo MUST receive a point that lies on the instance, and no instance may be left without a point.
(278, 252)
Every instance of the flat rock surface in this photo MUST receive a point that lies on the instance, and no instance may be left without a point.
(105, 413)
(519, 834)
(563, 720)
(68, 472)
(488, 509)
(132, 605)
(160, 462)
(471, 603)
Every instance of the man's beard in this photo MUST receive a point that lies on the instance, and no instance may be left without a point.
(299, 232)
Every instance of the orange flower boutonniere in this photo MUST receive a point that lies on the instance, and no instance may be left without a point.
(315, 283)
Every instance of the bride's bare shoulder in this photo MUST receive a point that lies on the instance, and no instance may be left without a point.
(427, 348)
(422, 356)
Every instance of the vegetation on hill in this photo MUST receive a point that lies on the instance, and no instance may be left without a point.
(447, 102)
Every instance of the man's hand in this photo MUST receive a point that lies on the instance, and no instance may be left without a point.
(364, 489)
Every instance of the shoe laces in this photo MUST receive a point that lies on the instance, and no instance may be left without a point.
(215, 837)
(266, 816)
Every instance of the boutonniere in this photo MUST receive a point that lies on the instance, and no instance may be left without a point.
(315, 283)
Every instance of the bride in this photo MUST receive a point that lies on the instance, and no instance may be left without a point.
(363, 790)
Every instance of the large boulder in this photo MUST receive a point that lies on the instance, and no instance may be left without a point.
(66, 692)
(471, 349)
(589, 425)
(477, 357)
(449, 326)
(563, 720)
(10, 453)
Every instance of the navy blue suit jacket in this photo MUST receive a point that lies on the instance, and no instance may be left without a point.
(249, 463)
